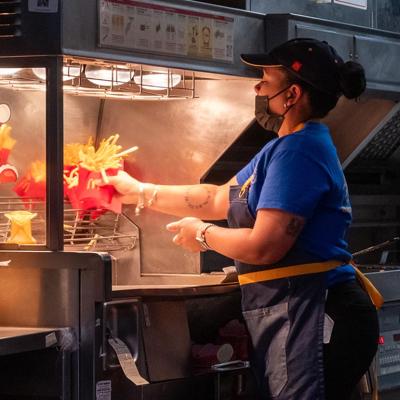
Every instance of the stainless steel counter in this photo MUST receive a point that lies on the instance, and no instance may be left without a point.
(122, 291)
(22, 339)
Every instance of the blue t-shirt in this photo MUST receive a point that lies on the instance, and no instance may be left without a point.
(300, 173)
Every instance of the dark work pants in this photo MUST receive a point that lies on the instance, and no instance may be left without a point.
(354, 339)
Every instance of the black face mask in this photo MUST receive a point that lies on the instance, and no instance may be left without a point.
(267, 119)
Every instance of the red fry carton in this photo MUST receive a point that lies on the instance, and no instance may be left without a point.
(90, 196)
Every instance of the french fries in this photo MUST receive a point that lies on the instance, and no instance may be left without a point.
(72, 150)
(6, 141)
(108, 154)
(37, 171)
(104, 157)
(71, 178)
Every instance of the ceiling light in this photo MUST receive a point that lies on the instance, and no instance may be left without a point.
(157, 81)
(8, 71)
(69, 73)
(108, 76)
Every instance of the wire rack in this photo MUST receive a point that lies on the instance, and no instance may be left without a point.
(96, 230)
(82, 77)
(91, 230)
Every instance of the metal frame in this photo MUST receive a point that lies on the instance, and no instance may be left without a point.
(54, 142)
(93, 271)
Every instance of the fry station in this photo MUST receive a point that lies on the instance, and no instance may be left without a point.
(95, 300)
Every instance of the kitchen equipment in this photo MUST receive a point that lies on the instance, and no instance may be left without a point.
(118, 276)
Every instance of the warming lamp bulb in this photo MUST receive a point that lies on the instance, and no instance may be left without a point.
(9, 71)
(69, 73)
(157, 81)
(108, 76)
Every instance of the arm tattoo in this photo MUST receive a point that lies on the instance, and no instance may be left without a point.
(294, 226)
(197, 197)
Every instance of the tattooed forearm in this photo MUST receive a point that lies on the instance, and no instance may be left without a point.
(294, 226)
(197, 197)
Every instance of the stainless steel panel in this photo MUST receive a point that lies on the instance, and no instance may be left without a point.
(387, 15)
(178, 141)
(380, 58)
(318, 9)
(352, 122)
(352, 42)
(38, 297)
(342, 42)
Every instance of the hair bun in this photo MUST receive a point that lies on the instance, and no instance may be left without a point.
(352, 79)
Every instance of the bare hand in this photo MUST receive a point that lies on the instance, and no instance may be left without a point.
(125, 185)
(185, 233)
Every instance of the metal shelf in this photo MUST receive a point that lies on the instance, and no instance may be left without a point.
(90, 230)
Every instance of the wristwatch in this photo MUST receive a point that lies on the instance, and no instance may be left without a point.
(200, 235)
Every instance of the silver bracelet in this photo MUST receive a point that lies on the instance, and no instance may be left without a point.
(140, 203)
(153, 197)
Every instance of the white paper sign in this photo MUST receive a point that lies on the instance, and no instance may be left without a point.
(127, 362)
(51, 339)
(43, 6)
(158, 28)
(363, 4)
(103, 390)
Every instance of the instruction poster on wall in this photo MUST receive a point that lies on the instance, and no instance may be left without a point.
(156, 28)
(363, 4)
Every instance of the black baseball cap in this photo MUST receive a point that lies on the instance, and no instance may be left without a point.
(311, 60)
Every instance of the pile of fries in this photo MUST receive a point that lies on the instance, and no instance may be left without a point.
(72, 151)
(33, 184)
(108, 155)
(84, 165)
(8, 173)
(6, 143)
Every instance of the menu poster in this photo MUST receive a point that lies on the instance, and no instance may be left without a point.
(193, 32)
(181, 34)
(130, 25)
(153, 27)
(158, 30)
(143, 28)
(206, 37)
(223, 40)
(170, 32)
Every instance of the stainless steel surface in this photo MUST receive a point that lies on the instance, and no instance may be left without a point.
(59, 289)
(387, 15)
(351, 123)
(178, 141)
(318, 9)
(382, 142)
(184, 290)
(351, 42)
(21, 339)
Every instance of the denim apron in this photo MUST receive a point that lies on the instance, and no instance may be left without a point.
(285, 320)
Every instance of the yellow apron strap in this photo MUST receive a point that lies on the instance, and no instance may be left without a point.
(376, 298)
(289, 271)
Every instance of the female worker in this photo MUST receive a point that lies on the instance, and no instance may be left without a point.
(288, 212)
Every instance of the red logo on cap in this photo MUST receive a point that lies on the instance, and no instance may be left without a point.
(296, 66)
